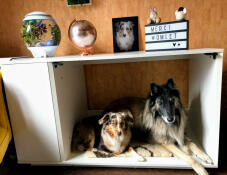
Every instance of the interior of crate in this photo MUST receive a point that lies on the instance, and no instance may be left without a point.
(83, 90)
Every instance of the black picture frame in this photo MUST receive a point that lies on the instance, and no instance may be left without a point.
(123, 35)
(78, 2)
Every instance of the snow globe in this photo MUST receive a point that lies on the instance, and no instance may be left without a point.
(41, 34)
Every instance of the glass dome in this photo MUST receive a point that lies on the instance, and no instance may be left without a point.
(40, 29)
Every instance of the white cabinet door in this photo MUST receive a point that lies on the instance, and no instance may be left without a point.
(31, 111)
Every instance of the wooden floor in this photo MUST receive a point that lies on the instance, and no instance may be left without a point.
(99, 171)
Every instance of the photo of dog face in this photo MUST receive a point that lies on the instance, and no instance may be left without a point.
(116, 130)
(125, 34)
(125, 37)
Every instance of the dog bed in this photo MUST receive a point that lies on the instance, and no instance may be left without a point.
(142, 149)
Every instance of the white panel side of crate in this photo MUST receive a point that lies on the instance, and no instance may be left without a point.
(31, 111)
(71, 99)
(166, 36)
(162, 27)
(166, 45)
(205, 77)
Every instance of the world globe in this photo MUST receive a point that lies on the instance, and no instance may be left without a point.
(83, 35)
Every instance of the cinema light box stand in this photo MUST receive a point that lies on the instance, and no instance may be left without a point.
(166, 36)
(47, 96)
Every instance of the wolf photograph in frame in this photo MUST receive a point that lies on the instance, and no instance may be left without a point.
(125, 34)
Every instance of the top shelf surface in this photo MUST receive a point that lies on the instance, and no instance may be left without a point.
(115, 57)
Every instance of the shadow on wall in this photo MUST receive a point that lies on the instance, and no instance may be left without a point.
(11, 45)
(12, 50)
(194, 124)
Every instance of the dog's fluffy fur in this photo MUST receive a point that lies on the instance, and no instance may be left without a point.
(111, 132)
(164, 119)
(84, 135)
(116, 131)
(164, 115)
(124, 35)
(161, 118)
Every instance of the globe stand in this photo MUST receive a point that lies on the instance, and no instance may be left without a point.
(85, 52)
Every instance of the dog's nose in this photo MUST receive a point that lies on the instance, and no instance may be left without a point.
(119, 133)
(124, 35)
(170, 120)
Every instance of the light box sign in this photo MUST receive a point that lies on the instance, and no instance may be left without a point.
(166, 36)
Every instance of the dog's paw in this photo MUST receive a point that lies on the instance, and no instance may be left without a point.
(117, 153)
(205, 158)
(135, 155)
(140, 159)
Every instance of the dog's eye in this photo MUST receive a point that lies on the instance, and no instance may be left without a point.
(114, 122)
(160, 102)
(171, 100)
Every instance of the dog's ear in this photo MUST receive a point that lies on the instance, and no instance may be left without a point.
(129, 118)
(104, 118)
(117, 24)
(131, 23)
(170, 83)
(154, 89)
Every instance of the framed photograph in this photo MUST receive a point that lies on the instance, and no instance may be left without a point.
(78, 2)
(125, 34)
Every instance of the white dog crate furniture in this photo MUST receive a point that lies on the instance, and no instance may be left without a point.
(46, 96)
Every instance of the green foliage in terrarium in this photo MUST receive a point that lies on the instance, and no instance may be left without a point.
(38, 33)
(77, 2)
(56, 34)
(29, 32)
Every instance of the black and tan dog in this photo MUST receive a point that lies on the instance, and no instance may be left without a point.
(161, 119)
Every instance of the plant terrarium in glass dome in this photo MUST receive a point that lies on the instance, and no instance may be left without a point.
(41, 34)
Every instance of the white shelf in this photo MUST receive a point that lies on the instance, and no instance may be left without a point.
(80, 159)
(116, 57)
(60, 95)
